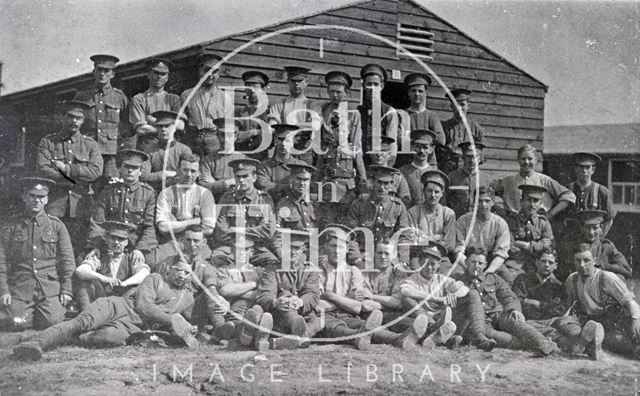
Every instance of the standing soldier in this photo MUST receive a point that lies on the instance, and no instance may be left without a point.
(463, 179)
(251, 132)
(208, 103)
(420, 117)
(341, 142)
(128, 201)
(155, 98)
(108, 116)
(36, 263)
(422, 142)
(373, 79)
(73, 161)
(454, 130)
(108, 270)
(296, 109)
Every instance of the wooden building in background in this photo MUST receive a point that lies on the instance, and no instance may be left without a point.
(507, 101)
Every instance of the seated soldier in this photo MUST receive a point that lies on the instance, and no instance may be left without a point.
(436, 295)
(431, 220)
(159, 302)
(36, 263)
(602, 296)
(203, 281)
(530, 231)
(109, 270)
(215, 172)
(185, 203)
(237, 284)
(291, 294)
(296, 211)
(541, 295)
(382, 158)
(489, 231)
(154, 171)
(380, 293)
(603, 251)
(502, 308)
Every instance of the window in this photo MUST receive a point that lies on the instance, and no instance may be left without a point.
(624, 177)
(417, 39)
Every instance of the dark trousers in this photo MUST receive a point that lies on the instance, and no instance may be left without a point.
(38, 313)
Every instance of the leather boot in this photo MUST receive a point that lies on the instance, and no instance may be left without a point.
(47, 339)
(261, 339)
(476, 323)
(251, 319)
(363, 342)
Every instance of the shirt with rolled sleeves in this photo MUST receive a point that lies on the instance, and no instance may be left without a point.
(438, 226)
(206, 105)
(156, 300)
(493, 234)
(495, 293)
(152, 170)
(343, 280)
(507, 189)
(108, 118)
(438, 286)
(183, 202)
(303, 282)
(605, 254)
(148, 102)
(388, 281)
(83, 165)
(597, 293)
(217, 166)
(35, 254)
(257, 207)
(132, 204)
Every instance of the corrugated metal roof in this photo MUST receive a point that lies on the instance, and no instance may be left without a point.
(599, 139)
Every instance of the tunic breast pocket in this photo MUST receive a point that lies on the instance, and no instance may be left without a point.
(112, 112)
(80, 158)
(389, 223)
(17, 243)
(137, 215)
(49, 245)
(254, 216)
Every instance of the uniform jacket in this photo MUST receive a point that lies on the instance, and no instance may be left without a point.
(296, 214)
(156, 300)
(495, 293)
(303, 283)
(550, 294)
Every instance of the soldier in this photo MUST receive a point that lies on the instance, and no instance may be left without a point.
(603, 251)
(489, 231)
(291, 293)
(381, 158)
(108, 116)
(383, 214)
(216, 173)
(448, 304)
(463, 179)
(541, 296)
(128, 201)
(36, 263)
(341, 138)
(373, 79)
(420, 117)
(73, 161)
(154, 170)
(185, 203)
(602, 296)
(454, 129)
(108, 270)
(251, 132)
(422, 142)
(502, 307)
(155, 98)
(296, 211)
(555, 200)
(273, 174)
(530, 232)
(160, 302)
(208, 103)
(589, 194)
(430, 220)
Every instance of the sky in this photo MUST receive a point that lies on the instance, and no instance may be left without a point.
(588, 53)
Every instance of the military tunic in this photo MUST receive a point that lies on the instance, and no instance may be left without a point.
(132, 204)
(534, 229)
(36, 266)
(462, 186)
(296, 213)
(412, 174)
(455, 133)
(273, 177)
(383, 217)
(216, 166)
(249, 136)
(257, 207)
(153, 169)
(607, 257)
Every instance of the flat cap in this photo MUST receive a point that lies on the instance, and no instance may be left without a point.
(423, 136)
(160, 65)
(584, 158)
(338, 77)
(117, 228)
(255, 77)
(297, 72)
(132, 157)
(39, 186)
(417, 79)
(244, 166)
(373, 68)
(435, 176)
(532, 190)
(105, 61)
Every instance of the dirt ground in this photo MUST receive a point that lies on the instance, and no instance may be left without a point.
(321, 369)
